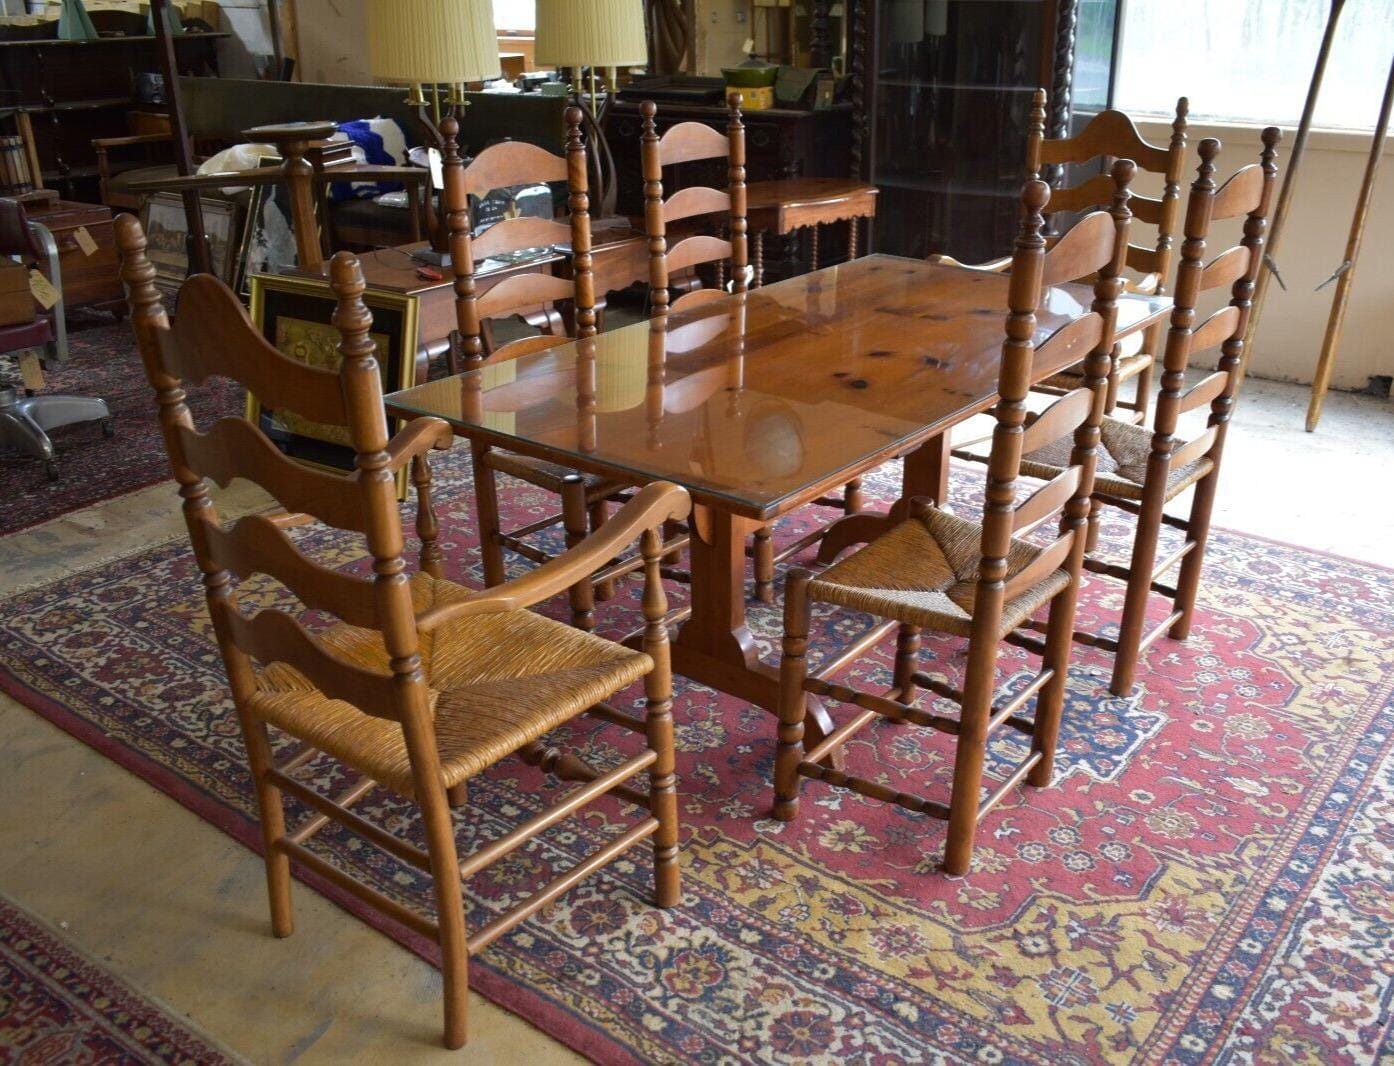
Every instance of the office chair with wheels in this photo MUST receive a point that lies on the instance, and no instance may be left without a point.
(26, 419)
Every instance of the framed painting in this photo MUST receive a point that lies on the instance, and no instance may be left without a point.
(294, 315)
(167, 234)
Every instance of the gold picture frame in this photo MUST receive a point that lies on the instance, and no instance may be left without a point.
(294, 315)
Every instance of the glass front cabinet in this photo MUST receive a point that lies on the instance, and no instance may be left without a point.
(942, 98)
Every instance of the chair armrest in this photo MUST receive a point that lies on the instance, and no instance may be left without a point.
(650, 508)
(992, 266)
(418, 437)
(100, 143)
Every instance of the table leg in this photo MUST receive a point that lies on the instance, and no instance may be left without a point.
(925, 473)
(714, 646)
(757, 257)
(813, 246)
(852, 225)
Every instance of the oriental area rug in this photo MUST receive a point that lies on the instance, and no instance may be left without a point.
(1210, 878)
(58, 1006)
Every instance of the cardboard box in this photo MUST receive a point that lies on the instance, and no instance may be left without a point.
(753, 99)
(16, 302)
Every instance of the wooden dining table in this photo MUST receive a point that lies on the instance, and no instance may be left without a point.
(760, 403)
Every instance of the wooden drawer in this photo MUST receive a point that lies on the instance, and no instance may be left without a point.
(87, 279)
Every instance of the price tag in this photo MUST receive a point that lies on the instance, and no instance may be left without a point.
(84, 240)
(31, 371)
(43, 290)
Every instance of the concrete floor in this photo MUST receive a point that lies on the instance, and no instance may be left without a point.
(178, 909)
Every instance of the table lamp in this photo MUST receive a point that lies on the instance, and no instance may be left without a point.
(433, 43)
(595, 34)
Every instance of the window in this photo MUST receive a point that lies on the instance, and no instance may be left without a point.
(515, 15)
(1251, 60)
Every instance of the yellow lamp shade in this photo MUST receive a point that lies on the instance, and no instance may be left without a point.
(431, 41)
(591, 33)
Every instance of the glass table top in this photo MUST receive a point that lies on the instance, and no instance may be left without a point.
(754, 401)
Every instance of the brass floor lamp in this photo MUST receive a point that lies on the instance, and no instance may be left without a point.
(436, 47)
(598, 35)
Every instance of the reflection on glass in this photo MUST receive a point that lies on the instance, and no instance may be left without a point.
(752, 399)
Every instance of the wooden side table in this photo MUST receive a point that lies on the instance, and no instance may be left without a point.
(783, 207)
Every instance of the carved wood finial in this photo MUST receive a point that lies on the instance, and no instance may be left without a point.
(1271, 137)
(1035, 133)
(450, 140)
(1178, 125)
(138, 274)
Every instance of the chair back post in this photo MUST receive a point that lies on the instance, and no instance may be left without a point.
(150, 323)
(735, 132)
(1233, 356)
(1108, 287)
(578, 203)
(1035, 134)
(1171, 194)
(1199, 209)
(467, 347)
(1014, 381)
(651, 163)
(361, 383)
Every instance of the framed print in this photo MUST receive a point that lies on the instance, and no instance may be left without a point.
(167, 232)
(268, 237)
(294, 315)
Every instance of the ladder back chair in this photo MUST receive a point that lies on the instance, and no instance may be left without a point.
(1140, 470)
(419, 685)
(1112, 134)
(684, 143)
(583, 496)
(971, 579)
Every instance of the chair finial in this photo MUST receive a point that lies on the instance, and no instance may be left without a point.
(137, 272)
(450, 139)
(1271, 137)
(1209, 150)
(351, 318)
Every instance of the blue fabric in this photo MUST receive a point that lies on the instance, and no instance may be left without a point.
(363, 135)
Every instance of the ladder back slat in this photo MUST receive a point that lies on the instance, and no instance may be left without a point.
(503, 165)
(256, 545)
(516, 234)
(272, 636)
(233, 448)
(213, 337)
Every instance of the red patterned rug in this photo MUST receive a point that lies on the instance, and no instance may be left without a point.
(91, 467)
(58, 1006)
(1211, 878)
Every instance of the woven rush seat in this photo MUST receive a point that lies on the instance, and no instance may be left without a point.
(496, 681)
(548, 475)
(1122, 462)
(1129, 366)
(925, 573)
